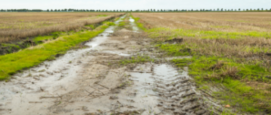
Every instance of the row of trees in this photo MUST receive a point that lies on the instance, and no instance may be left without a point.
(148, 10)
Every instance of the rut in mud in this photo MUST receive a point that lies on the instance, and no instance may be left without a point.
(91, 82)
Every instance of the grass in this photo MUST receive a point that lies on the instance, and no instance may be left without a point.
(158, 32)
(43, 38)
(174, 49)
(234, 61)
(125, 23)
(11, 63)
(232, 75)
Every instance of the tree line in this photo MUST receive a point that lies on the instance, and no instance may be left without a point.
(148, 10)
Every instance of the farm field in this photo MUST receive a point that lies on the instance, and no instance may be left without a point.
(17, 26)
(136, 63)
(230, 52)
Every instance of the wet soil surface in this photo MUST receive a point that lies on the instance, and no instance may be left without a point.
(91, 82)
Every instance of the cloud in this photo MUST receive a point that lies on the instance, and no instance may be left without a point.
(134, 4)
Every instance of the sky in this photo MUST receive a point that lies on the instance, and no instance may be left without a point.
(134, 4)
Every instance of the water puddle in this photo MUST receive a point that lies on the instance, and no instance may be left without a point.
(134, 26)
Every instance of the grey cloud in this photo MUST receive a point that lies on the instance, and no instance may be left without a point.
(134, 4)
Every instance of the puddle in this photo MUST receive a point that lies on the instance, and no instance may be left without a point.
(134, 26)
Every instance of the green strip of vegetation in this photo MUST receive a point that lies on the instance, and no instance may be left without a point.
(139, 25)
(172, 33)
(11, 63)
(229, 74)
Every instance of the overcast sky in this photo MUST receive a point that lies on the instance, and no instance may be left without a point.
(134, 4)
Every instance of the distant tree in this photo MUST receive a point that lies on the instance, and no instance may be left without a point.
(239, 9)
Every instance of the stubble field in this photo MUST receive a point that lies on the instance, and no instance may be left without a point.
(230, 53)
(226, 54)
(18, 26)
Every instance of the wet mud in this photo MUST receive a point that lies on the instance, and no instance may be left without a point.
(90, 81)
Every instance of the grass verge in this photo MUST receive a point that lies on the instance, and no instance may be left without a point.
(11, 63)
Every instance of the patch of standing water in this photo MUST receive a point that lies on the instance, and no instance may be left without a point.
(52, 77)
(146, 78)
(132, 22)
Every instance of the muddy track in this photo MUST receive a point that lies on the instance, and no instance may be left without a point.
(92, 82)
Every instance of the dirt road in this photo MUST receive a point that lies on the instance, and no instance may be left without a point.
(91, 81)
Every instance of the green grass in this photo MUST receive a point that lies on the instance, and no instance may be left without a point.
(174, 49)
(121, 24)
(11, 63)
(181, 62)
(172, 33)
(91, 26)
(43, 38)
(10, 45)
(239, 95)
(139, 25)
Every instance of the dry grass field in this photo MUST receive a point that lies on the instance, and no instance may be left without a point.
(16, 26)
(227, 22)
(231, 51)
